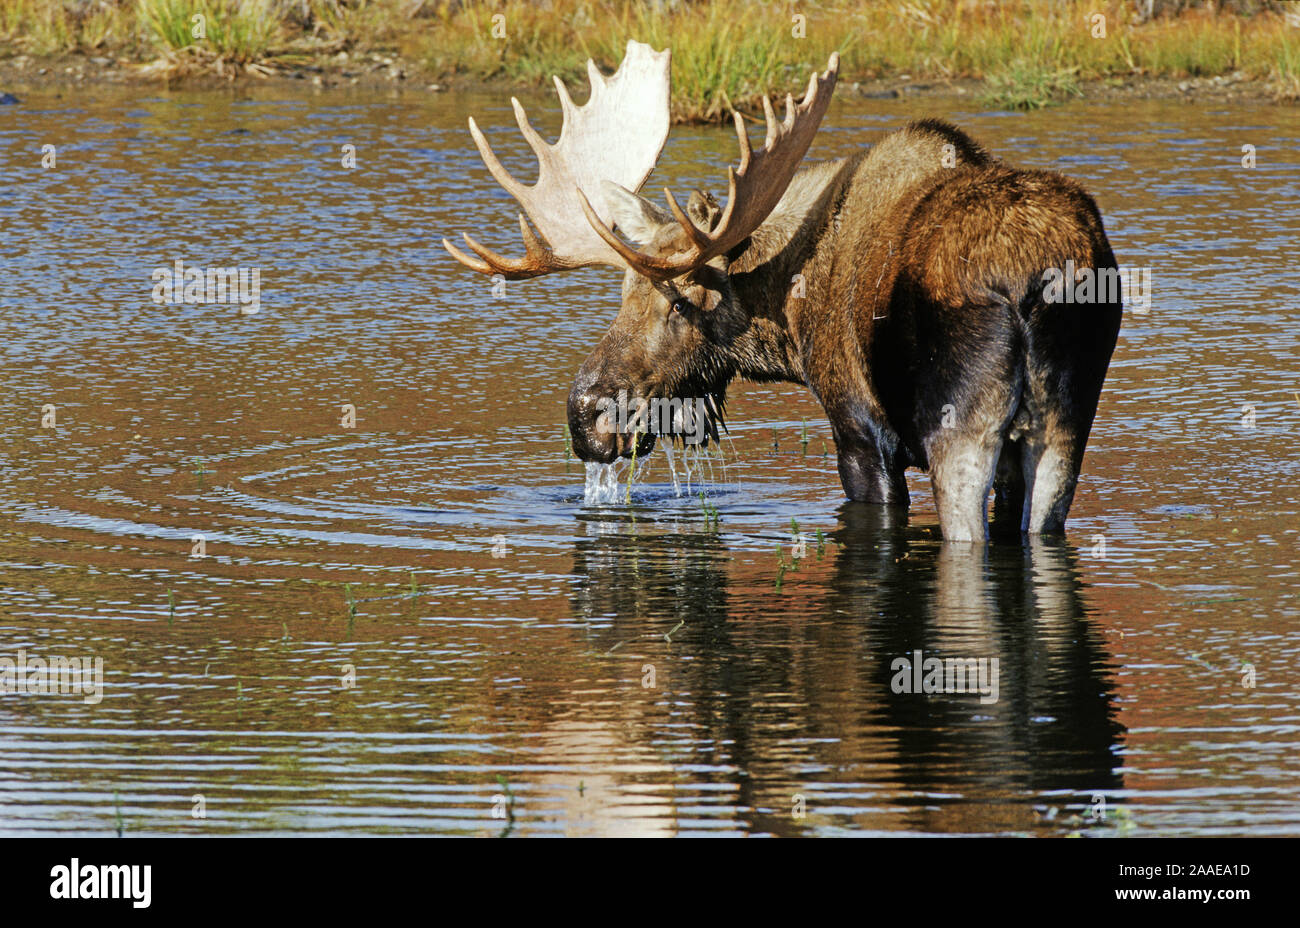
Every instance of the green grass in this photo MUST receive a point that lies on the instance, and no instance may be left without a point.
(1029, 84)
(167, 21)
(1286, 76)
(234, 31)
(241, 30)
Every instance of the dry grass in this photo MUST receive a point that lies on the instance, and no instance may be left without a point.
(725, 52)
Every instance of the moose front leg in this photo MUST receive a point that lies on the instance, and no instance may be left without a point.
(870, 469)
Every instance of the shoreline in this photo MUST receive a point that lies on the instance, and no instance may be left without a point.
(30, 74)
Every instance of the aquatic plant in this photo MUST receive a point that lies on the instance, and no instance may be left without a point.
(510, 798)
(710, 512)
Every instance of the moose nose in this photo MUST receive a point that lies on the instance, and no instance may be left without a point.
(590, 443)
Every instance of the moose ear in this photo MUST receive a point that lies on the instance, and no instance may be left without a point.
(635, 216)
(703, 210)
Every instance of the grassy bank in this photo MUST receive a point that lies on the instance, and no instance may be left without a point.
(1028, 53)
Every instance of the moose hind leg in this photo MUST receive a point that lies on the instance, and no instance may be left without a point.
(963, 452)
(1051, 471)
(961, 471)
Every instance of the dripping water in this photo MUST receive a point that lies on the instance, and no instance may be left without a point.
(605, 481)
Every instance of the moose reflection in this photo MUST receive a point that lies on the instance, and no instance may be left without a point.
(780, 687)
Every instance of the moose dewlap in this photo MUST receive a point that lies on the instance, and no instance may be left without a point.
(904, 285)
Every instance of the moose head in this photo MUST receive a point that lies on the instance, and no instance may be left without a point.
(683, 331)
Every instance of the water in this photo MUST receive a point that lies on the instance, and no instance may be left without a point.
(625, 669)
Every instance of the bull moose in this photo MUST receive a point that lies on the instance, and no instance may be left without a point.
(904, 285)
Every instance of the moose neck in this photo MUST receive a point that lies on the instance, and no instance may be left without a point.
(776, 278)
(813, 273)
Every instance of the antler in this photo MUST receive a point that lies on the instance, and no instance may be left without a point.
(616, 135)
(754, 188)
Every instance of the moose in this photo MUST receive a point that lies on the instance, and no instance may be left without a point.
(904, 285)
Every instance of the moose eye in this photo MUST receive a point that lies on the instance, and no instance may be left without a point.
(681, 307)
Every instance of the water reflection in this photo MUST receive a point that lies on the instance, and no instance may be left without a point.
(182, 420)
(794, 694)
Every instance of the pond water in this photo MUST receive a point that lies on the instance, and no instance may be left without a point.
(417, 625)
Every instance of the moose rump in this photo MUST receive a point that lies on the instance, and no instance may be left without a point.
(989, 377)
